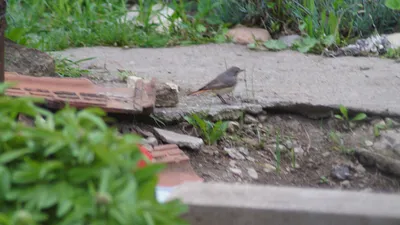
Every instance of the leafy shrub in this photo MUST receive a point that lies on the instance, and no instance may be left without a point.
(70, 168)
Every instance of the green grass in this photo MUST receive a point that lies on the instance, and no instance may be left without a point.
(58, 24)
(69, 68)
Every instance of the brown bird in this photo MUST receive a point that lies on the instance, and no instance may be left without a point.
(224, 83)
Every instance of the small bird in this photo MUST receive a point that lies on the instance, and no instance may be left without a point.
(224, 83)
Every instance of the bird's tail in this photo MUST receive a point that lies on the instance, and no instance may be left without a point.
(197, 92)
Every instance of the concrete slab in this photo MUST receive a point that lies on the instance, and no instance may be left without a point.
(237, 204)
(286, 79)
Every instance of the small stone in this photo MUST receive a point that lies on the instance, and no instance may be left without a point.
(251, 159)
(379, 122)
(182, 140)
(233, 126)
(341, 172)
(268, 168)
(232, 163)
(151, 141)
(360, 168)
(326, 154)
(289, 144)
(262, 118)
(345, 184)
(299, 151)
(243, 150)
(251, 141)
(132, 80)
(250, 119)
(236, 171)
(209, 152)
(368, 143)
(233, 153)
(281, 148)
(166, 94)
(246, 35)
(252, 173)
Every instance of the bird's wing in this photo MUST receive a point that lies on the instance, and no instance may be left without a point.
(219, 82)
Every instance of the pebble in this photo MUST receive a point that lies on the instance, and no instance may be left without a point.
(236, 171)
(151, 141)
(252, 173)
(243, 150)
(232, 163)
(233, 126)
(345, 184)
(360, 168)
(262, 118)
(251, 159)
(289, 144)
(299, 151)
(233, 153)
(326, 154)
(251, 141)
(209, 152)
(250, 119)
(341, 172)
(268, 168)
(368, 143)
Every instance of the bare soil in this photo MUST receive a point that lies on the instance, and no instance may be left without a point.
(312, 168)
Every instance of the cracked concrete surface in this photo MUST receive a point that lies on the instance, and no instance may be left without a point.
(287, 79)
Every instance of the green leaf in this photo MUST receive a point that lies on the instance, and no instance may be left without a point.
(252, 46)
(12, 155)
(54, 148)
(339, 117)
(275, 45)
(306, 44)
(393, 4)
(344, 112)
(148, 172)
(5, 181)
(80, 174)
(329, 40)
(63, 207)
(87, 116)
(360, 116)
(201, 28)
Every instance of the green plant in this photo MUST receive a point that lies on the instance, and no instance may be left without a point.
(69, 68)
(345, 115)
(200, 25)
(393, 4)
(320, 18)
(275, 45)
(382, 126)
(323, 180)
(70, 168)
(337, 139)
(209, 131)
(393, 53)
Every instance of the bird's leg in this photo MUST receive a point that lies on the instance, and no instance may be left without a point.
(222, 99)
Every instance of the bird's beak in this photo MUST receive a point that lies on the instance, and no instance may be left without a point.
(242, 70)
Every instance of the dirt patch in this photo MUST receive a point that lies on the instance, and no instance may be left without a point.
(309, 165)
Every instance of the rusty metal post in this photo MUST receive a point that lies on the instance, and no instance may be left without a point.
(3, 25)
